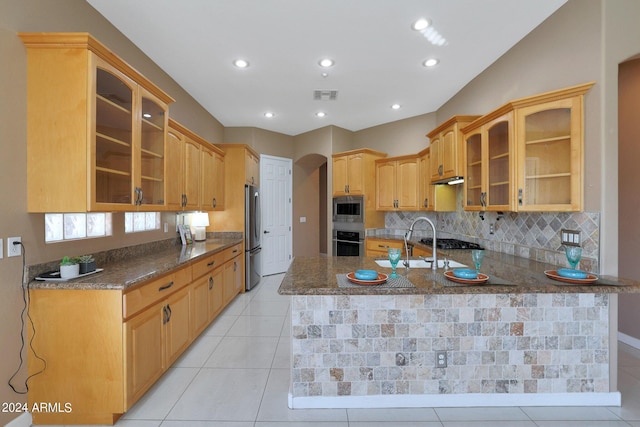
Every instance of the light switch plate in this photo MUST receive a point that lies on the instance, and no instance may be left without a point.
(570, 237)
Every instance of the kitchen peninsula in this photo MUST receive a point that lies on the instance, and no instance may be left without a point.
(522, 339)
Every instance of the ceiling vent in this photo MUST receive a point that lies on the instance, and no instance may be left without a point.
(325, 95)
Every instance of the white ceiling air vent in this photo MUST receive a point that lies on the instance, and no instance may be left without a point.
(325, 95)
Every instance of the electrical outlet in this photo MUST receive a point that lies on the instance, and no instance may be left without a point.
(441, 359)
(14, 250)
(570, 237)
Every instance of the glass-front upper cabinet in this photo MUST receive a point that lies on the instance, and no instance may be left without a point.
(489, 164)
(89, 148)
(550, 146)
(114, 138)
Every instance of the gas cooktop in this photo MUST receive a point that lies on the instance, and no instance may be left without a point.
(451, 244)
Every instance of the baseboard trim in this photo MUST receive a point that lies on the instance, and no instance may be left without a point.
(457, 400)
(629, 340)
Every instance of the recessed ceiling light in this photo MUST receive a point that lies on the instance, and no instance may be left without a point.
(420, 24)
(241, 63)
(326, 63)
(395, 106)
(321, 114)
(431, 62)
(269, 114)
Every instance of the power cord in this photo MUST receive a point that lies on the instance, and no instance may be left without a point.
(26, 298)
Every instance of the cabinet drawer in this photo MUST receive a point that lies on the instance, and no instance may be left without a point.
(210, 263)
(232, 252)
(146, 294)
(383, 245)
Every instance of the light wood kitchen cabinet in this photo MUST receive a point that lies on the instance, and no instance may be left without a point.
(154, 339)
(489, 181)
(252, 168)
(196, 181)
(445, 143)
(376, 247)
(550, 151)
(528, 154)
(419, 251)
(212, 178)
(105, 347)
(440, 198)
(353, 172)
(233, 282)
(97, 128)
(397, 183)
(239, 165)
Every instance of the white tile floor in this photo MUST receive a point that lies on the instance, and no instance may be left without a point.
(237, 374)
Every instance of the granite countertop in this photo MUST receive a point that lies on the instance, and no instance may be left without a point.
(507, 274)
(121, 275)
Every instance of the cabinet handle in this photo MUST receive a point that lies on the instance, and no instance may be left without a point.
(210, 282)
(168, 313)
(426, 203)
(440, 170)
(210, 264)
(235, 265)
(384, 246)
(214, 202)
(235, 251)
(165, 317)
(519, 196)
(483, 199)
(165, 287)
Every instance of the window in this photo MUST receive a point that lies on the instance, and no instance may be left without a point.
(141, 221)
(72, 226)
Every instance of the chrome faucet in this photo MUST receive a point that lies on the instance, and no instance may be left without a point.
(407, 236)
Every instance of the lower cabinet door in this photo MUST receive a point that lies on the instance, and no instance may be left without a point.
(177, 329)
(144, 349)
(200, 304)
(215, 283)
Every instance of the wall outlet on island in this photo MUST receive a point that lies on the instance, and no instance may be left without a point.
(441, 359)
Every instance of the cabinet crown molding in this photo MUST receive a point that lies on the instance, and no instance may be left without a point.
(86, 41)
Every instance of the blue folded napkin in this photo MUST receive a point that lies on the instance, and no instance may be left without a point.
(572, 274)
(366, 274)
(465, 273)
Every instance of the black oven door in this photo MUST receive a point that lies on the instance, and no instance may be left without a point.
(347, 243)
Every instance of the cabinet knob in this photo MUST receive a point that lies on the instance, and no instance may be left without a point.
(519, 196)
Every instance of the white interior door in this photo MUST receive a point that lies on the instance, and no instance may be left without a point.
(276, 189)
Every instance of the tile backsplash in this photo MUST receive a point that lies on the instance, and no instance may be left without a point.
(533, 235)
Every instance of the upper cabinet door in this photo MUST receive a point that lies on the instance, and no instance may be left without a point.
(113, 170)
(550, 145)
(153, 130)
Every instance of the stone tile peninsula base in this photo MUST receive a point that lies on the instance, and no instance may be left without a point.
(375, 351)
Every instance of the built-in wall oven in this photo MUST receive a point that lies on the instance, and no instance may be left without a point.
(348, 226)
(348, 242)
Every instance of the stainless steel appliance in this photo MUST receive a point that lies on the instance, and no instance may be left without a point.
(348, 209)
(252, 232)
(348, 242)
(450, 244)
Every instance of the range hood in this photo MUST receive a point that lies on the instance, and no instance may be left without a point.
(454, 180)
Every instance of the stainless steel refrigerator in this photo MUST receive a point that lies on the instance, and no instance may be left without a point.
(252, 233)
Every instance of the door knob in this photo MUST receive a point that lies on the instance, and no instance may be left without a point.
(266, 231)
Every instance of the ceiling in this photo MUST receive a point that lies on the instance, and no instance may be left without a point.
(378, 56)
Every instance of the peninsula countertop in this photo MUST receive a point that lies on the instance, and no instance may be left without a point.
(507, 274)
(123, 274)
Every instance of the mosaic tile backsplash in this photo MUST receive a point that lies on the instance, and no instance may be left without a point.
(534, 235)
(350, 345)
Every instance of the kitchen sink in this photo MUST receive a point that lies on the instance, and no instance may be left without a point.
(418, 263)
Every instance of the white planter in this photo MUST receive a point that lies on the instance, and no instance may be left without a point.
(69, 271)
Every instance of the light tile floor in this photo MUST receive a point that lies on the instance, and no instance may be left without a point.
(237, 375)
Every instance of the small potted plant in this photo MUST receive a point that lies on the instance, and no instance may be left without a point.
(69, 268)
(87, 264)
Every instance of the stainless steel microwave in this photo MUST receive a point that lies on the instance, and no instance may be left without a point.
(348, 209)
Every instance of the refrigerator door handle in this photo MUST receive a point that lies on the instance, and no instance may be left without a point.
(255, 250)
(256, 218)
